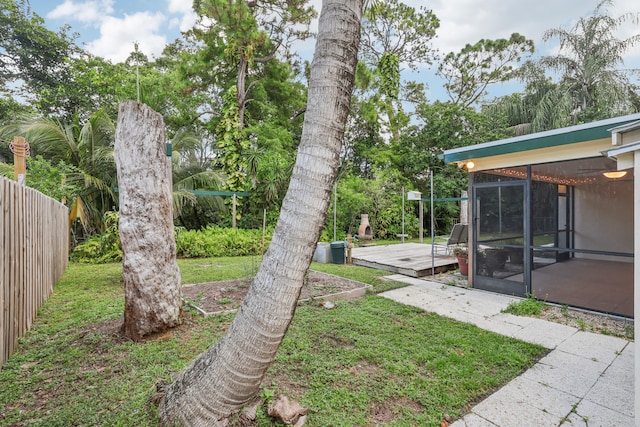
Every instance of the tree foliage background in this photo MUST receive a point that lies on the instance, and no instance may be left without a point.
(232, 92)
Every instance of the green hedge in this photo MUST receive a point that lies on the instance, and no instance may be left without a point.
(219, 242)
(209, 242)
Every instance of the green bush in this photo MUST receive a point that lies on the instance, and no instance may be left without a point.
(209, 242)
(217, 242)
(103, 248)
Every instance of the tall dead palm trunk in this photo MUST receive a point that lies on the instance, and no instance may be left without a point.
(228, 375)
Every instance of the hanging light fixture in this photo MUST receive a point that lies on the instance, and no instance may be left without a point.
(614, 174)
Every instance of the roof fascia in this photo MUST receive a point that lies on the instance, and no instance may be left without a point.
(557, 137)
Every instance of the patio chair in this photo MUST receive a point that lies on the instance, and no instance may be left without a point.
(459, 236)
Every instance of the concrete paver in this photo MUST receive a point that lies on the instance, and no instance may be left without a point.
(546, 334)
(586, 379)
(566, 372)
(602, 348)
(614, 391)
(589, 414)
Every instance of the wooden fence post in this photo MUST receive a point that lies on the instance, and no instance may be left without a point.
(20, 150)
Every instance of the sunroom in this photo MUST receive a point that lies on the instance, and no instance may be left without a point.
(552, 214)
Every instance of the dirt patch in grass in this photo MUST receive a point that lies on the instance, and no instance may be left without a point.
(389, 410)
(226, 296)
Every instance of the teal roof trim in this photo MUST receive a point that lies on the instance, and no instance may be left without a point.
(553, 138)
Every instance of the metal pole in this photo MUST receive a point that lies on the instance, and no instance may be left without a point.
(433, 236)
(500, 210)
(402, 235)
(421, 210)
(335, 206)
(264, 228)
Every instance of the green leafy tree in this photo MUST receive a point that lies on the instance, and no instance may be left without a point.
(33, 59)
(447, 125)
(246, 40)
(469, 72)
(542, 106)
(364, 149)
(394, 28)
(190, 175)
(395, 35)
(379, 196)
(591, 83)
(51, 180)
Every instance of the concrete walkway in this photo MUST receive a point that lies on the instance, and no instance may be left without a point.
(586, 380)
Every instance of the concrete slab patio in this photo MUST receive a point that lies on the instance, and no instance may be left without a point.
(586, 379)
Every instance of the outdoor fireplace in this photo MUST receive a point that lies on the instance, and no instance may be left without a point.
(364, 231)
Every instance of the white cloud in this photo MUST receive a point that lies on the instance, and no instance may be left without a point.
(467, 21)
(117, 36)
(87, 12)
(184, 8)
(179, 6)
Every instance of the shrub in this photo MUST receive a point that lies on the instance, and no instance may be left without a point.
(209, 242)
(217, 242)
(103, 248)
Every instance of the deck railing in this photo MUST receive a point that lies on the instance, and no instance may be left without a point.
(34, 249)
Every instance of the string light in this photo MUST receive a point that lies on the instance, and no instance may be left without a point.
(522, 174)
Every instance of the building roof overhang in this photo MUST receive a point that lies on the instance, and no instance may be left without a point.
(585, 135)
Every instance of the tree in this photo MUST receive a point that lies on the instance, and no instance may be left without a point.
(33, 59)
(189, 174)
(542, 106)
(396, 35)
(228, 375)
(149, 269)
(88, 147)
(587, 62)
(393, 28)
(243, 40)
(469, 72)
(590, 86)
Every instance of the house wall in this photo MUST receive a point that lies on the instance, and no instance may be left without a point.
(604, 219)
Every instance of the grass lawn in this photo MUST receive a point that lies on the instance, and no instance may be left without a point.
(365, 362)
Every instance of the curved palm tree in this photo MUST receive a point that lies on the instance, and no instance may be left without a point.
(227, 375)
(89, 148)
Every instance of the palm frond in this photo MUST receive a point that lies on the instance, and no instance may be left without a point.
(6, 170)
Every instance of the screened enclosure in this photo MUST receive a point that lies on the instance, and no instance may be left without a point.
(561, 231)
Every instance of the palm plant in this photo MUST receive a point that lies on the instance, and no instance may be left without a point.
(190, 174)
(588, 61)
(89, 148)
(591, 85)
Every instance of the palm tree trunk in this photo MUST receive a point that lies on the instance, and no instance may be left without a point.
(228, 375)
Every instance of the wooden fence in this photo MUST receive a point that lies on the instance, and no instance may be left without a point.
(34, 248)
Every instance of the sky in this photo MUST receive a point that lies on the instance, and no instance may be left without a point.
(109, 28)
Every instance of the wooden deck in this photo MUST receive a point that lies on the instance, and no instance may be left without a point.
(410, 259)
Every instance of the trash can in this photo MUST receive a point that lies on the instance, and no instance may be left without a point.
(322, 253)
(337, 252)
